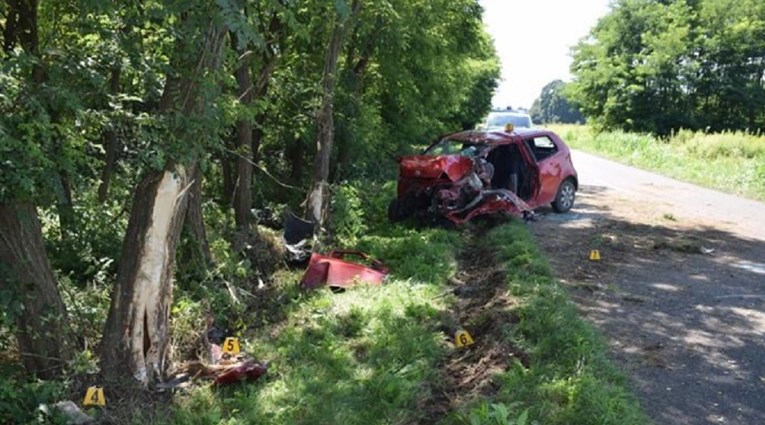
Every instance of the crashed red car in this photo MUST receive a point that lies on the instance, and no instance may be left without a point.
(472, 173)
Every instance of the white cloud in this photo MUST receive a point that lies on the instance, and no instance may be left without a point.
(533, 40)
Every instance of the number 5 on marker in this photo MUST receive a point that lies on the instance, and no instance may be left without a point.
(231, 345)
(94, 396)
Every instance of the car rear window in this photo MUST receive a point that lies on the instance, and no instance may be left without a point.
(541, 147)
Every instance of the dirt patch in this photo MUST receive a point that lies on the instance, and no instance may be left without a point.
(484, 309)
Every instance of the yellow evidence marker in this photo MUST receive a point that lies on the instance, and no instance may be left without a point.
(231, 345)
(462, 338)
(94, 396)
(594, 255)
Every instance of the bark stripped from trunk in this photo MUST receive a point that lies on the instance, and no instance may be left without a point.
(137, 333)
(318, 198)
(137, 330)
(43, 336)
(317, 204)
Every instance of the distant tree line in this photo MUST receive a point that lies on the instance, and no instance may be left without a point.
(661, 65)
(553, 106)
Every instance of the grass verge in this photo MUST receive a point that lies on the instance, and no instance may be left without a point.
(733, 162)
(365, 356)
(570, 379)
(377, 355)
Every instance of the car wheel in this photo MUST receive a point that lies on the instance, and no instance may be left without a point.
(564, 200)
(394, 211)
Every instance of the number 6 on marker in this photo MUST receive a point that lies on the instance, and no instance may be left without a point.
(231, 345)
(462, 338)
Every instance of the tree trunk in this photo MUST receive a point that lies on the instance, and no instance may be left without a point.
(318, 197)
(243, 187)
(111, 144)
(195, 221)
(295, 153)
(43, 336)
(317, 204)
(137, 331)
(65, 206)
(228, 174)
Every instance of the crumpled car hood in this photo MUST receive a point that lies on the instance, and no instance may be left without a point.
(454, 167)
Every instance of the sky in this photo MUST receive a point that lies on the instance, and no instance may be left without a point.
(533, 40)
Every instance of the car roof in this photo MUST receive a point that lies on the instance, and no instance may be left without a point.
(490, 137)
(506, 112)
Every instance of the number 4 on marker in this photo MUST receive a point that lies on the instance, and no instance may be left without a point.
(231, 345)
(94, 396)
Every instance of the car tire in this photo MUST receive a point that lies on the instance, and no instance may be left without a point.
(565, 197)
(394, 211)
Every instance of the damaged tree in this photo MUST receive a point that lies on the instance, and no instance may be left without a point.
(136, 335)
(317, 203)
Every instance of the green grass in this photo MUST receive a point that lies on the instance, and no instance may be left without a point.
(732, 161)
(570, 380)
(374, 355)
(365, 356)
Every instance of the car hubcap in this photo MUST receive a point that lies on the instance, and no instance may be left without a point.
(567, 196)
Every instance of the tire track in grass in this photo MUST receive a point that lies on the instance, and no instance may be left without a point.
(483, 307)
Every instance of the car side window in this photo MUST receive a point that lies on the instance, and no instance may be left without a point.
(542, 147)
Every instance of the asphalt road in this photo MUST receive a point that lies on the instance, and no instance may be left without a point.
(741, 216)
(679, 292)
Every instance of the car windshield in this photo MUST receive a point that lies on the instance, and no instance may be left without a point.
(452, 147)
(501, 120)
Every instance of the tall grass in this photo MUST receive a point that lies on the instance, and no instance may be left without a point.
(730, 161)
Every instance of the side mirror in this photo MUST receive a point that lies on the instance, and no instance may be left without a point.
(480, 126)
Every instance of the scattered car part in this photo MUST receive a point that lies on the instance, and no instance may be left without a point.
(248, 370)
(69, 410)
(333, 270)
(297, 233)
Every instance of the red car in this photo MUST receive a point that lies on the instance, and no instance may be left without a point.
(473, 173)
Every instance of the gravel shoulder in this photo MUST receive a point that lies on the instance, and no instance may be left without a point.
(679, 292)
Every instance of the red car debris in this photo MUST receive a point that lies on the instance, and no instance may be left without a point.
(472, 173)
(334, 270)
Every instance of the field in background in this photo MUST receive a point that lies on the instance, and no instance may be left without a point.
(732, 162)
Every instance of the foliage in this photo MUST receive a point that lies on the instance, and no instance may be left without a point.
(728, 161)
(493, 414)
(552, 106)
(652, 66)
(20, 400)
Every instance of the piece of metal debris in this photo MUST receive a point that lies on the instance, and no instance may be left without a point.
(70, 410)
(335, 271)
